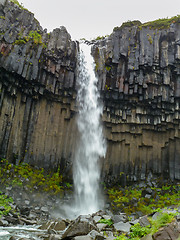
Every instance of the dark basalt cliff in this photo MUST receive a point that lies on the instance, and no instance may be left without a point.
(139, 79)
(37, 82)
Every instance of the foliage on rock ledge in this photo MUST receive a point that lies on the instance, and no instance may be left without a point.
(33, 36)
(137, 231)
(5, 201)
(18, 4)
(26, 175)
(163, 23)
(134, 199)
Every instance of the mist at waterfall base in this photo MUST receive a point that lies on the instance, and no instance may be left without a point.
(91, 144)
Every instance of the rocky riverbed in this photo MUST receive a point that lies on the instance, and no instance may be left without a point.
(40, 216)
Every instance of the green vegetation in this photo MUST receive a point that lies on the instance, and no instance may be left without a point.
(131, 199)
(108, 68)
(33, 36)
(150, 39)
(101, 37)
(25, 175)
(128, 24)
(137, 231)
(109, 222)
(163, 23)
(18, 4)
(5, 204)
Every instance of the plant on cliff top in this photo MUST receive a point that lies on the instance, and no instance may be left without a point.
(128, 24)
(18, 4)
(157, 24)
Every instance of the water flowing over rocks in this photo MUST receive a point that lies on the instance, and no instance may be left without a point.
(139, 79)
(33, 225)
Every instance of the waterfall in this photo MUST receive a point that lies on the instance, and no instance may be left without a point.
(91, 145)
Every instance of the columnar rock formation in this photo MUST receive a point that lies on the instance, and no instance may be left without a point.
(139, 76)
(37, 97)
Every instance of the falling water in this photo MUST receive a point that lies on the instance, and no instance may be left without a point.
(91, 145)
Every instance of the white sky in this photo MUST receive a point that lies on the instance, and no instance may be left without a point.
(93, 18)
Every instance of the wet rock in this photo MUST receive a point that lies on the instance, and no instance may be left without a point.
(12, 220)
(27, 221)
(55, 225)
(24, 210)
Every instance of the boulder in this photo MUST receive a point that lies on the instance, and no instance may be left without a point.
(144, 222)
(54, 225)
(101, 226)
(169, 232)
(122, 227)
(119, 218)
(80, 226)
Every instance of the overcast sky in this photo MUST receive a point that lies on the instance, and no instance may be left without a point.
(93, 18)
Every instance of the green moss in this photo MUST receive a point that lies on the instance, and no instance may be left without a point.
(2, 17)
(19, 42)
(163, 23)
(150, 39)
(108, 68)
(123, 199)
(33, 36)
(109, 222)
(18, 4)
(101, 37)
(5, 204)
(17, 175)
(137, 231)
(128, 24)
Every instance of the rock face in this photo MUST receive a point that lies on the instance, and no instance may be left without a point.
(37, 96)
(139, 78)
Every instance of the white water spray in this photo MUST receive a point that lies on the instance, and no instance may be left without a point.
(91, 145)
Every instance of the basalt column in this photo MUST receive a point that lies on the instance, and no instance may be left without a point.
(37, 96)
(139, 78)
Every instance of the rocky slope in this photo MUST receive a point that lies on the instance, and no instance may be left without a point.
(139, 78)
(138, 67)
